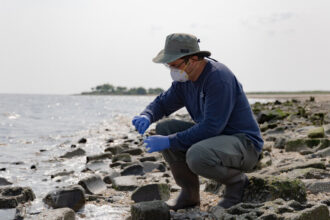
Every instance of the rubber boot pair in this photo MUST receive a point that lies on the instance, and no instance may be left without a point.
(235, 186)
(189, 183)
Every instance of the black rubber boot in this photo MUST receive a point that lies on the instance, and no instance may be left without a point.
(235, 186)
(189, 183)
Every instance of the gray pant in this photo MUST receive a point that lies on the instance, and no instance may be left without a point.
(212, 157)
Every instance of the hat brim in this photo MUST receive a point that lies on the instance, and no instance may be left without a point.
(162, 57)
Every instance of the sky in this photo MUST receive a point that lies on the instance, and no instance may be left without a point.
(70, 46)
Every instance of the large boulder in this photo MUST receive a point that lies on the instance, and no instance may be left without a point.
(72, 197)
(150, 210)
(10, 197)
(273, 210)
(316, 133)
(93, 184)
(98, 165)
(125, 157)
(268, 115)
(151, 192)
(149, 166)
(134, 169)
(264, 188)
(125, 183)
(317, 186)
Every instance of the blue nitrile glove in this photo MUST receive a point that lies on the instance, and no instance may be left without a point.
(157, 143)
(141, 123)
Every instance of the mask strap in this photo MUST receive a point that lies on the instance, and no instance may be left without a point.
(182, 71)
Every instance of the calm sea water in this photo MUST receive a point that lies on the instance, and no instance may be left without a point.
(29, 123)
(41, 120)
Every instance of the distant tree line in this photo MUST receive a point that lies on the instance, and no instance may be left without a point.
(108, 89)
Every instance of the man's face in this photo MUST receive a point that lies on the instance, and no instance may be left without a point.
(187, 67)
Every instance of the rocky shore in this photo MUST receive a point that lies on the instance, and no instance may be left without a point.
(291, 181)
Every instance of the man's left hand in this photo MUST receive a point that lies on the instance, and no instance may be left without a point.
(157, 143)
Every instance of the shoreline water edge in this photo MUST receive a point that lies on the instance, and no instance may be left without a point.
(104, 172)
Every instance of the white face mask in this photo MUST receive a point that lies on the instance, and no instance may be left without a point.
(179, 75)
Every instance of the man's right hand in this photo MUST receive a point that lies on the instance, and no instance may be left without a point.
(141, 123)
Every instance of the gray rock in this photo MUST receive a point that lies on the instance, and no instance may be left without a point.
(57, 214)
(93, 184)
(116, 164)
(277, 210)
(322, 153)
(151, 158)
(264, 188)
(98, 157)
(4, 182)
(63, 173)
(125, 183)
(319, 212)
(98, 165)
(72, 197)
(316, 132)
(135, 169)
(296, 145)
(111, 174)
(127, 164)
(150, 210)
(268, 115)
(75, 153)
(125, 157)
(315, 163)
(149, 166)
(309, 173)
(277, 130)
(151, 192)
(117, 149)
(135, 151)
(82, 141)
(10, 197)
(316, 186)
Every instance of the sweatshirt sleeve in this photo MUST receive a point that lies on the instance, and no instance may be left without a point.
(164, 104)
(219, 103)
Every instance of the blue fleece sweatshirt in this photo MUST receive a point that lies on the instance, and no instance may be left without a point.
(215, 101)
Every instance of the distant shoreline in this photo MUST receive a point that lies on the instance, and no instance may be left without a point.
(289, 93)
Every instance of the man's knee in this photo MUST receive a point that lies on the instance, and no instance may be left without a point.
(162, 127)
(198, 160)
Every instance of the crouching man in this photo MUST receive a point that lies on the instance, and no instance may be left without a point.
(223, 142)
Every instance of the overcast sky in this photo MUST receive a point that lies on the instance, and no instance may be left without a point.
(70, 46)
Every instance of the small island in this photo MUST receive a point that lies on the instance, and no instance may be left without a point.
(108, 89)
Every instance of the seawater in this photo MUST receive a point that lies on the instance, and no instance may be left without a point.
(36, 129)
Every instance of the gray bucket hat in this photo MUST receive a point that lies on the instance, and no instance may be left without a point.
(178, 45)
